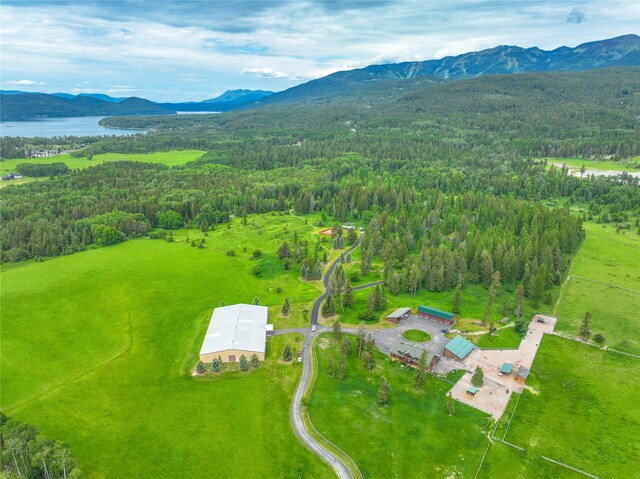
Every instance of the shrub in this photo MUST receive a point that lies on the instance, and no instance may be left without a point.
(256, 271)
(256, 254)
(598, 338)
(231, 252)
(367, 315)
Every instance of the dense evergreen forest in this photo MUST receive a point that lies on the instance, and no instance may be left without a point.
(444, 177)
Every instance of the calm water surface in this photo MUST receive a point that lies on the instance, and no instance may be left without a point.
(48, 127)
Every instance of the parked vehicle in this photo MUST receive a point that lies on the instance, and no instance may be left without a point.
(445, 331)
(313, 328)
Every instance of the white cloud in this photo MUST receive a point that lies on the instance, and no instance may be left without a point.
(23, 82)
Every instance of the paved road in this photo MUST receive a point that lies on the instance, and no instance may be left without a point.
(295, 412)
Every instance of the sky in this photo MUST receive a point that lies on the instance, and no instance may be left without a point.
(170, 50)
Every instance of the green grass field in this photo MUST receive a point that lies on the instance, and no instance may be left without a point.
(502, 338)
(606, 282)
(169, 158)
(411, 437)
(416, 335)
(92, 340)
(630, 165)
(591, 396)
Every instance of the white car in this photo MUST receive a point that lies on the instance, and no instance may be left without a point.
(313, 328)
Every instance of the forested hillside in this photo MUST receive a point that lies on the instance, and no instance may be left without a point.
(533, 115)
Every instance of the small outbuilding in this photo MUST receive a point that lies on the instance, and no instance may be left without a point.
(398, 314)
(472, 390)
(506, 368)
(410, 354)
(458, 348)
(523, 374)
(436, 315)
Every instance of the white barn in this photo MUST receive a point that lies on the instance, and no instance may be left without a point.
(236, 330)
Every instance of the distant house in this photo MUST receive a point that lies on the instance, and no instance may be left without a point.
(236, 330)
(523, 374)
(436, 315)
(458, 348)
(410, 354)
(398, 314)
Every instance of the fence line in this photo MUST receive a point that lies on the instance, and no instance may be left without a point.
(569, 467)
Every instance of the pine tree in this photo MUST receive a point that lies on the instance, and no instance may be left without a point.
(486, 268)
(451, 406)
(254, 361)
(337, 330)
(517, 310)
(216, 364)
(457, 299)
(348, 258)
(328, 307)
(421, 370)
(585, 327)
(256, 300)
(243, 363)
(221, 303)
(285, 306)
(346, 346)
(347, 298)
(478, 377)
(200, 367)
(368, 360)
(324, 257)
(493, 292)
(360, 338)
(331, 367)
(384, 393)
(284, 252)
(287, 355)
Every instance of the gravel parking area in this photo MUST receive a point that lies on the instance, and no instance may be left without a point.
(494, 395)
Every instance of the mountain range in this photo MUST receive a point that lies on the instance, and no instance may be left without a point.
(619, 51)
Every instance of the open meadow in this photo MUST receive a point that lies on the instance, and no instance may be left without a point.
(169, 158)
(598, 418)
(411, 437)
(94, 339)
(604, 279)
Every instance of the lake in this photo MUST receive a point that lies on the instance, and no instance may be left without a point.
(48, 127)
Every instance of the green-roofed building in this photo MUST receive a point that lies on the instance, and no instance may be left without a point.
(506, 368)
(458, 348)
(471, 390)
(436, 315)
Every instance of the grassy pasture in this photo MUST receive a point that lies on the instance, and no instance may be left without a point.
(599, 419)
(169, 158)
(575, 164)
(92, 340)
(411, 437)
(613, 259)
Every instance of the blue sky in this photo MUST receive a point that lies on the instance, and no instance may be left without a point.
(192, 50)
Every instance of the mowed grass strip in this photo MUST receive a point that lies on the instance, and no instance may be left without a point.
(98, 347)
(591, 396)
(411, 437)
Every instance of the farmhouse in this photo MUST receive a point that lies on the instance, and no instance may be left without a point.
(458, 348)
(236, 330)
(410, 354)
(436, 315)
(398, 314)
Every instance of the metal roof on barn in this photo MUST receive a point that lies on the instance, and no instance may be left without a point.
(436, 312)
(240, 326)
(459, 347)
(399, 313)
